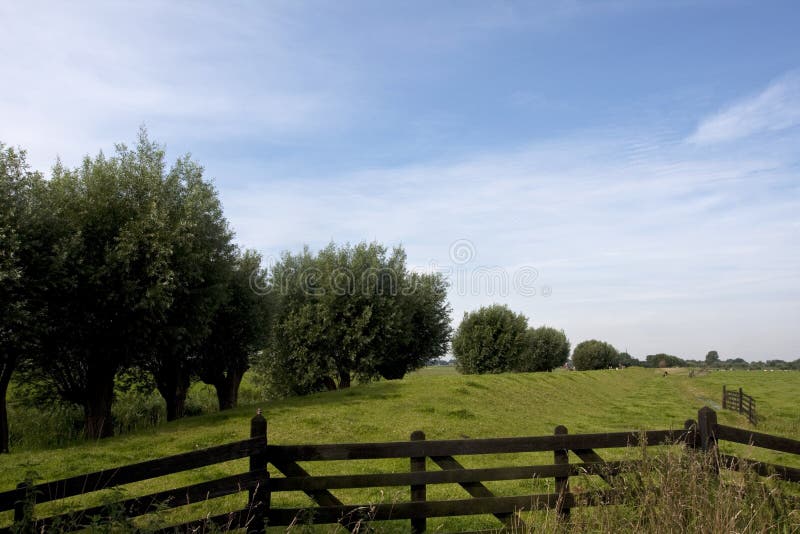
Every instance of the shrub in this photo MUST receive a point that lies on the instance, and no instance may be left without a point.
(490, 340)
(594, 354)
(546, 348)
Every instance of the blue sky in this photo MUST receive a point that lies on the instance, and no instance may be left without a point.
(630, 168)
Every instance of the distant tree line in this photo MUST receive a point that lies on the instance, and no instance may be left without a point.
(495, 339)
(713, 360)
(127, 266)
(662, 360)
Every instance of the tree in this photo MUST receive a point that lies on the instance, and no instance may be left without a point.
(735, 363)
(239, 330)
(19, 307)
(424, 332)
(662, 360)
(712, 358)
(547, 348)
(629, 361)
(352, 312)
(594, 354)
(491, 339)
(136, 260)
(200, 263)
(109, 278)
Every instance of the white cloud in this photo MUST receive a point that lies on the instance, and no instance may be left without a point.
(76, 77)
(647, 242)
(776, 108)
(675, 240)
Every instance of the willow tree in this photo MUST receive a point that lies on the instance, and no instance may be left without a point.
(594, 354)
(239, 329)
(352, 312)
(491, 339)
(109, 275)
(20, 308)
(137, 262)
(200, 263)
(547, 348)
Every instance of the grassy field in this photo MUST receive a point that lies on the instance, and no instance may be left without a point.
(445, 405)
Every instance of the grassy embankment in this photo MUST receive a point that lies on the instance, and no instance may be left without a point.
(446, 406)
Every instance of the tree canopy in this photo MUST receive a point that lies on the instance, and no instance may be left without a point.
(352, 312)
(594, 354)
(629, 361)
(664, 360)
(200, 266)
(491, 339)
(137, 259)
(20, 307)
(239, 329)
(546, 349)
(109, 260)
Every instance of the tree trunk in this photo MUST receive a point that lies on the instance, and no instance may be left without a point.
(228, 390)
(5, 379)
(97, 408)
(176, 404)
(173, 385)
(329, 383)
(344, 379)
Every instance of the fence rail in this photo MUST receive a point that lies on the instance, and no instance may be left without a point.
(701, 434)
(739, 401)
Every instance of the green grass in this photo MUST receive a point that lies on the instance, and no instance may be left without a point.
(445, 405)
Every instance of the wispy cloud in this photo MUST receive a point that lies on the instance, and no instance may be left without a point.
(775, 108)
(422, 124)
(79, 77)
(616, 239)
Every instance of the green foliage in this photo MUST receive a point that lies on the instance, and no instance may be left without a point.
(200, 264)
(19, 307)
(662, 360)
(129, 259)
(239, 329)
(134, 380)
(423, 332)
(547, 349)
(492, 339)
(594, 354)
(107, 254)
(627, 360)
(40, 421)
(352, 312)
(712, 358)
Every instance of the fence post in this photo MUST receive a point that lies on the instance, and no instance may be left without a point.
(707, 425)
(23, 511)
(741, 395)
(418, 491)
(691, 433)
(561, 457)
(259, 497)
(724, 398)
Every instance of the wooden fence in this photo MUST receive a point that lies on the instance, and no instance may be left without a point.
(737, 400)
(701, 434)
